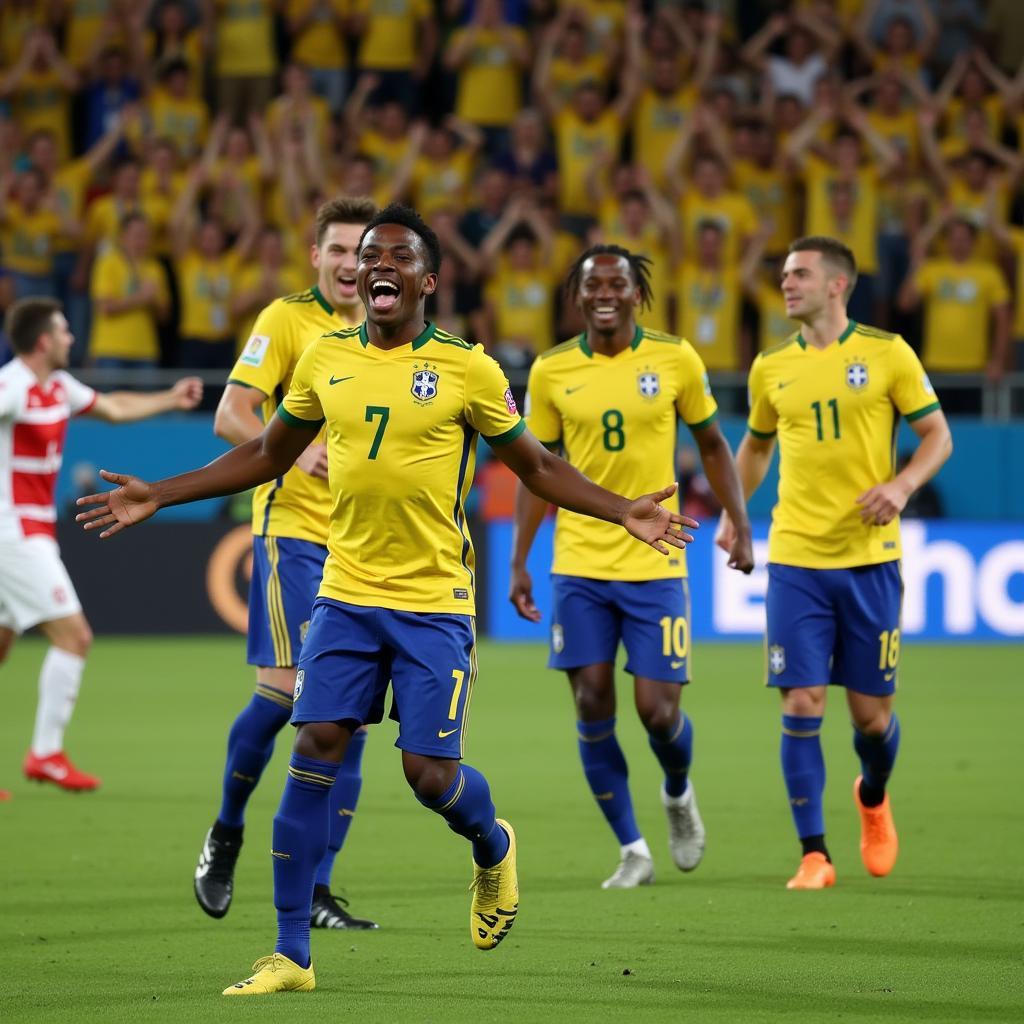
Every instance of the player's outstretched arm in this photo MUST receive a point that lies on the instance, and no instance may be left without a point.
(129, 406)
(553, 479)
(133, 500)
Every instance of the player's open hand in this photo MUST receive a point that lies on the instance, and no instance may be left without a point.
(520, 593)
(130, 503)
(883, 503)
(187, 392)
(651, 522)
(314, 461)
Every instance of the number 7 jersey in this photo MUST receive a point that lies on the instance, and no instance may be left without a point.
(617, 419)
(836, 411)
(402, 427)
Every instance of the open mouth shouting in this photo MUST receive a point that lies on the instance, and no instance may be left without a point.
(346, 285)
(384, 293)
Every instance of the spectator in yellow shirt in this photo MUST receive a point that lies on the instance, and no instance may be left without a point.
(519, 297)
(437, 172)
(245, 57)
(299, 112)
(319, 37)
(906, 42)
(175, 38)
(565, 61)
(381, 132)
(529, 159)
(30, 224)
(206, 270)
(1011, 239)
(760, 280)
(129, 294)
(397, 42)
(488, 57)
(173, 112)
(966, 302)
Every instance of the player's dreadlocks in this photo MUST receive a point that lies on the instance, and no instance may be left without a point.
(407, 217)
(639, 266)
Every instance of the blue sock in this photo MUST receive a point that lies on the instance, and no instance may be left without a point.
(674, 752)
(803, 768)
(344, 798)
(300, 838)
(250, 745)
(605, 768)
(877, 756)
(466, 806)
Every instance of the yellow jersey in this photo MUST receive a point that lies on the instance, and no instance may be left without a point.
(296, 504)
(709, 313)
(861, 234)
(770, 193)
(441, 184)
(184, 121)
(402, 430)
(975, 205)
(657, 122)
(835, 411)
(567, 76)
(900, 131)
(731, 211)
(244, 38)
(489, 88)
(391, 33)
(617, 419)
(1017, 236)
(287, 281)
(958, 302)
(321, 44)
(132, 334)
(42, 102)
(69, 184)
(524, 304)
(205, 287)
(774, 326)
(29, 240)
(579, 144)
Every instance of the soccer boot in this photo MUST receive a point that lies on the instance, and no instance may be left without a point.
(274, 973)
(56, 768)
(215, 874)
(495, 897)
(634, 869)
(815, 872)
(329, 911)
(879, 844)
(685, 828)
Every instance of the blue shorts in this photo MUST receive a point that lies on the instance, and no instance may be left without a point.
(651, 618)
(286, 574)
(352, 652)
(837, 626)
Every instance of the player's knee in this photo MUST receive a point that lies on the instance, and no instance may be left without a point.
(658, 718)
(594, 702)
(429, 777)
(872, 722)
(321, 741)
(805, 702)
(78, 639)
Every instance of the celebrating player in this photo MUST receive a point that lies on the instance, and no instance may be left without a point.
(833, 393)
(37, 398)
(289, 524)
(403, 404)
(612, 398)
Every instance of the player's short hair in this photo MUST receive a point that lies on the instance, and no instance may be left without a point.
(407, 217)
(27, 319)
(343, 210)
(129, 218)
(639, 267)
(838, 257)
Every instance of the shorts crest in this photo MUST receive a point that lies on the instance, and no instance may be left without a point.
(777, 659)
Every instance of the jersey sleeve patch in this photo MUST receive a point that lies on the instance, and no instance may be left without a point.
(255, 350)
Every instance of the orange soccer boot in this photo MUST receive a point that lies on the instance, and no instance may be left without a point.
(815, 872)
(879, 843)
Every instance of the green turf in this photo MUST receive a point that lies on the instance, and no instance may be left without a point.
(98, 921)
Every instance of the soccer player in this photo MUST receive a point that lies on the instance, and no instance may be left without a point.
(37, 399)
(833, 393)
(403, 404)
(290, 517)
(612, 398)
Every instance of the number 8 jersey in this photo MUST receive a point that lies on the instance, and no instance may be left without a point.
(617, 419)
(835, 411)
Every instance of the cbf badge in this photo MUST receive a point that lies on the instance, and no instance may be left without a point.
(777, 659)
(649, 385)
(857, 376)
(300, 678)
(557, 638)
(424, 384)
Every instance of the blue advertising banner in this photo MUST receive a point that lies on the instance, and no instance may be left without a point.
(963, 581)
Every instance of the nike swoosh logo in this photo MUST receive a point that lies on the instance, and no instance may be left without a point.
(570, 391)
(888, 677)
(55, 771)
(338, 380)
(442, 735)
(782, 383)
(676, 664)
(604, 796)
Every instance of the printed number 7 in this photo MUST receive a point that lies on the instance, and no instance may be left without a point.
(372, 412)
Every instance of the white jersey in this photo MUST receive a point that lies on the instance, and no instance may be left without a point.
(33, 421)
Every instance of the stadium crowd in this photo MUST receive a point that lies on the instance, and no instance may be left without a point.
(161, 162)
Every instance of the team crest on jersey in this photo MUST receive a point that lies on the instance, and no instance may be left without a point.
(424, 384)
(557, 638)
(777, 659)
(303, 630)
(300, 678)
(857, 376)
(256, 350)
(649, 384)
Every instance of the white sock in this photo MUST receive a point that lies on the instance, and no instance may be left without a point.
(59, 680)
(638, 846)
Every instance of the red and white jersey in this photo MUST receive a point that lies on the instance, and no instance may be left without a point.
(33, 421)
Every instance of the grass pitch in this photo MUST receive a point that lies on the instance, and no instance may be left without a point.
(98, 922)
